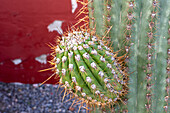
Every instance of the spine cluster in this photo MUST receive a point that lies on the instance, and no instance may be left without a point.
(167, 72)
(150, 50)
(129, 23)
(107, 19)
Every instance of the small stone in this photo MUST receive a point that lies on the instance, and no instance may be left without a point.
(35, 85)
(71, 108)
(59, 110)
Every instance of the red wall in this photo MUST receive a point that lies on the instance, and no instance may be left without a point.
(24, 35)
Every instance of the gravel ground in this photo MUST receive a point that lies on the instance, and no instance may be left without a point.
(26, 98)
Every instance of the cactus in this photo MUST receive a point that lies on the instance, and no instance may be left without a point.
(139, 28)
(90, 70)
(122, 48)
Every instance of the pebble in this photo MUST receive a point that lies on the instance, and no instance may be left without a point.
(30, 98)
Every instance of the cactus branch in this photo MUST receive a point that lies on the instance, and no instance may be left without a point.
(161, 55)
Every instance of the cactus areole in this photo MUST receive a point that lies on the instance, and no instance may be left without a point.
(89, 70)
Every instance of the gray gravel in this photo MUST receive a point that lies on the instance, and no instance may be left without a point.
(26, 98)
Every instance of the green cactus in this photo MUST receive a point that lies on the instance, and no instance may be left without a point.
(123, 48)
(89, 70)
(139, 28)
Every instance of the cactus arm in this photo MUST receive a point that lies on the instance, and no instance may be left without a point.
(122, 19)
(160, 59)
(168, 71)
(116, 10)
(132, 64)
(98, 15)
(115, 22)
(142, 55)
(91, 14)
(138, 59)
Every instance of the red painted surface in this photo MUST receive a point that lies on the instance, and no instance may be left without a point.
(24, 35)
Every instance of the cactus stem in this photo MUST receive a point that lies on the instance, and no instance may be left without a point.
(168, 73)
